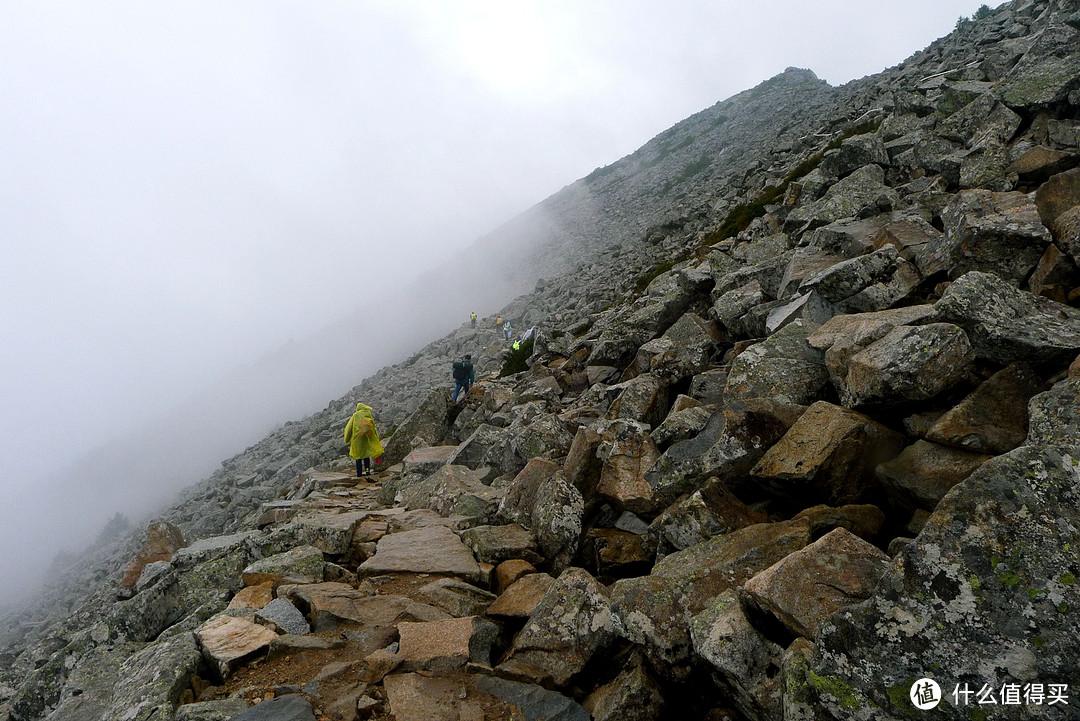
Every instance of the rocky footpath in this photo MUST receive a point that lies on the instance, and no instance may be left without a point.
(794, 454)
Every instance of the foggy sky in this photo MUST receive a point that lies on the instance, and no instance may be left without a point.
(186, 187)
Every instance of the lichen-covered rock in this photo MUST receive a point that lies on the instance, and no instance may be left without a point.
(909, 363)
(427, 426)
(643, 399)
(494, 544)
(743, 663)
(558, 520)
(861, 194)
(805, 588)
(151, 681)
(456, 597)
(680, 425)
(990, 419)
(828, 455)
(783, 368)
(571, 623)
(1006, 324)
(986, 595)
(633, 695)
(303, 564)
(519, 501)
(985, 231)
(683, 350)
(870, 282)
(1054, 416)
(707, 512)
(854, 153)
(454, 491)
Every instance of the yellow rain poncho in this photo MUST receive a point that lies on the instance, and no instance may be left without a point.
(361, 435)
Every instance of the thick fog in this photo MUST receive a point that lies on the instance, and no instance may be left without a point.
(210, 212)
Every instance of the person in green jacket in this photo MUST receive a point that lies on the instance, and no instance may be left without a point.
(363, 439)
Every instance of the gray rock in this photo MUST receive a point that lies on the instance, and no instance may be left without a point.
(536, 703)
(291, 707)
(680, 426)
(570, 625)
(453, 491)
(854, 153)
(683, 350)
(1054, 416)
(495, 544)
(153, 679)
(427, 426)
(783, 368)
(984, 596)
(861, 194)
(1006, 324)
(558, 520)
(285, 616)
(457, 598)
(223, 710)
(910, 363)
(303, 564)
(998, 233)
(627, 452)
(743, 663)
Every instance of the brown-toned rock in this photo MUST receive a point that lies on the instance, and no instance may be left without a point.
(627, 451)
(456, 597)
(633, 695)
(829, 455)
(434, 549)
(643, 399)
(806, 587)
(494, 544)
(303, 564)
(520, 599)
(862, 329)
(993, 418)
(862, 519)
(582, 467)
(616, 552)
(227, 643)
(1054, 276)
(327, 603)
(446, 645)
(507, 572)
(162, 541)
(253, 597)
(1056, 196)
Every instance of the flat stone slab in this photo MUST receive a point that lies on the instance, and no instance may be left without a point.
(522, 597)
(446, 645)
(303, 563)
(227, 642)
(206, 549)
(341, 602)
(433, 549)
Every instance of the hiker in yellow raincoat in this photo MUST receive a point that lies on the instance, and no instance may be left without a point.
(363, 439)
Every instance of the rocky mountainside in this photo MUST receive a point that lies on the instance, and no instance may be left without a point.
(798, 438)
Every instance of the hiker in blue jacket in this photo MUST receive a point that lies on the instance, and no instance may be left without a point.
(464, 376)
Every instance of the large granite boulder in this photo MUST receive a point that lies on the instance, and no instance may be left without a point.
(998, 233)
(569, 626)
(991, 419)
(1006, 324)
(627, 452)
(1054, 416)
(683, 350)
(923, 473)
(861, 194)
(426, 426)
(828, 456)
(984, 596)
(454, 490)
(783, 368)
(162, 541)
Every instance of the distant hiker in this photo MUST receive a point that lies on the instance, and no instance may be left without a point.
(507, 330)
(464, 376)
(363, 439)
(517, 343)
(472, 319)
(498, 321)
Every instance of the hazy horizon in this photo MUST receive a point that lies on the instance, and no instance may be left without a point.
(190, 188)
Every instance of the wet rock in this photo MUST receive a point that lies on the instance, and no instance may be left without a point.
(434, 549)
(442, 646)
(627, 452)
(990, 420)
(522, 597)
(983, 596)
(1000, 233)
(743, 663)
(924, 472)
(808, 586)
(1005, 324)
(303, 564)
(570, 624)
(909, 363)
(227, 643)
(162, 541)
(828, 455)
(783, 368)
